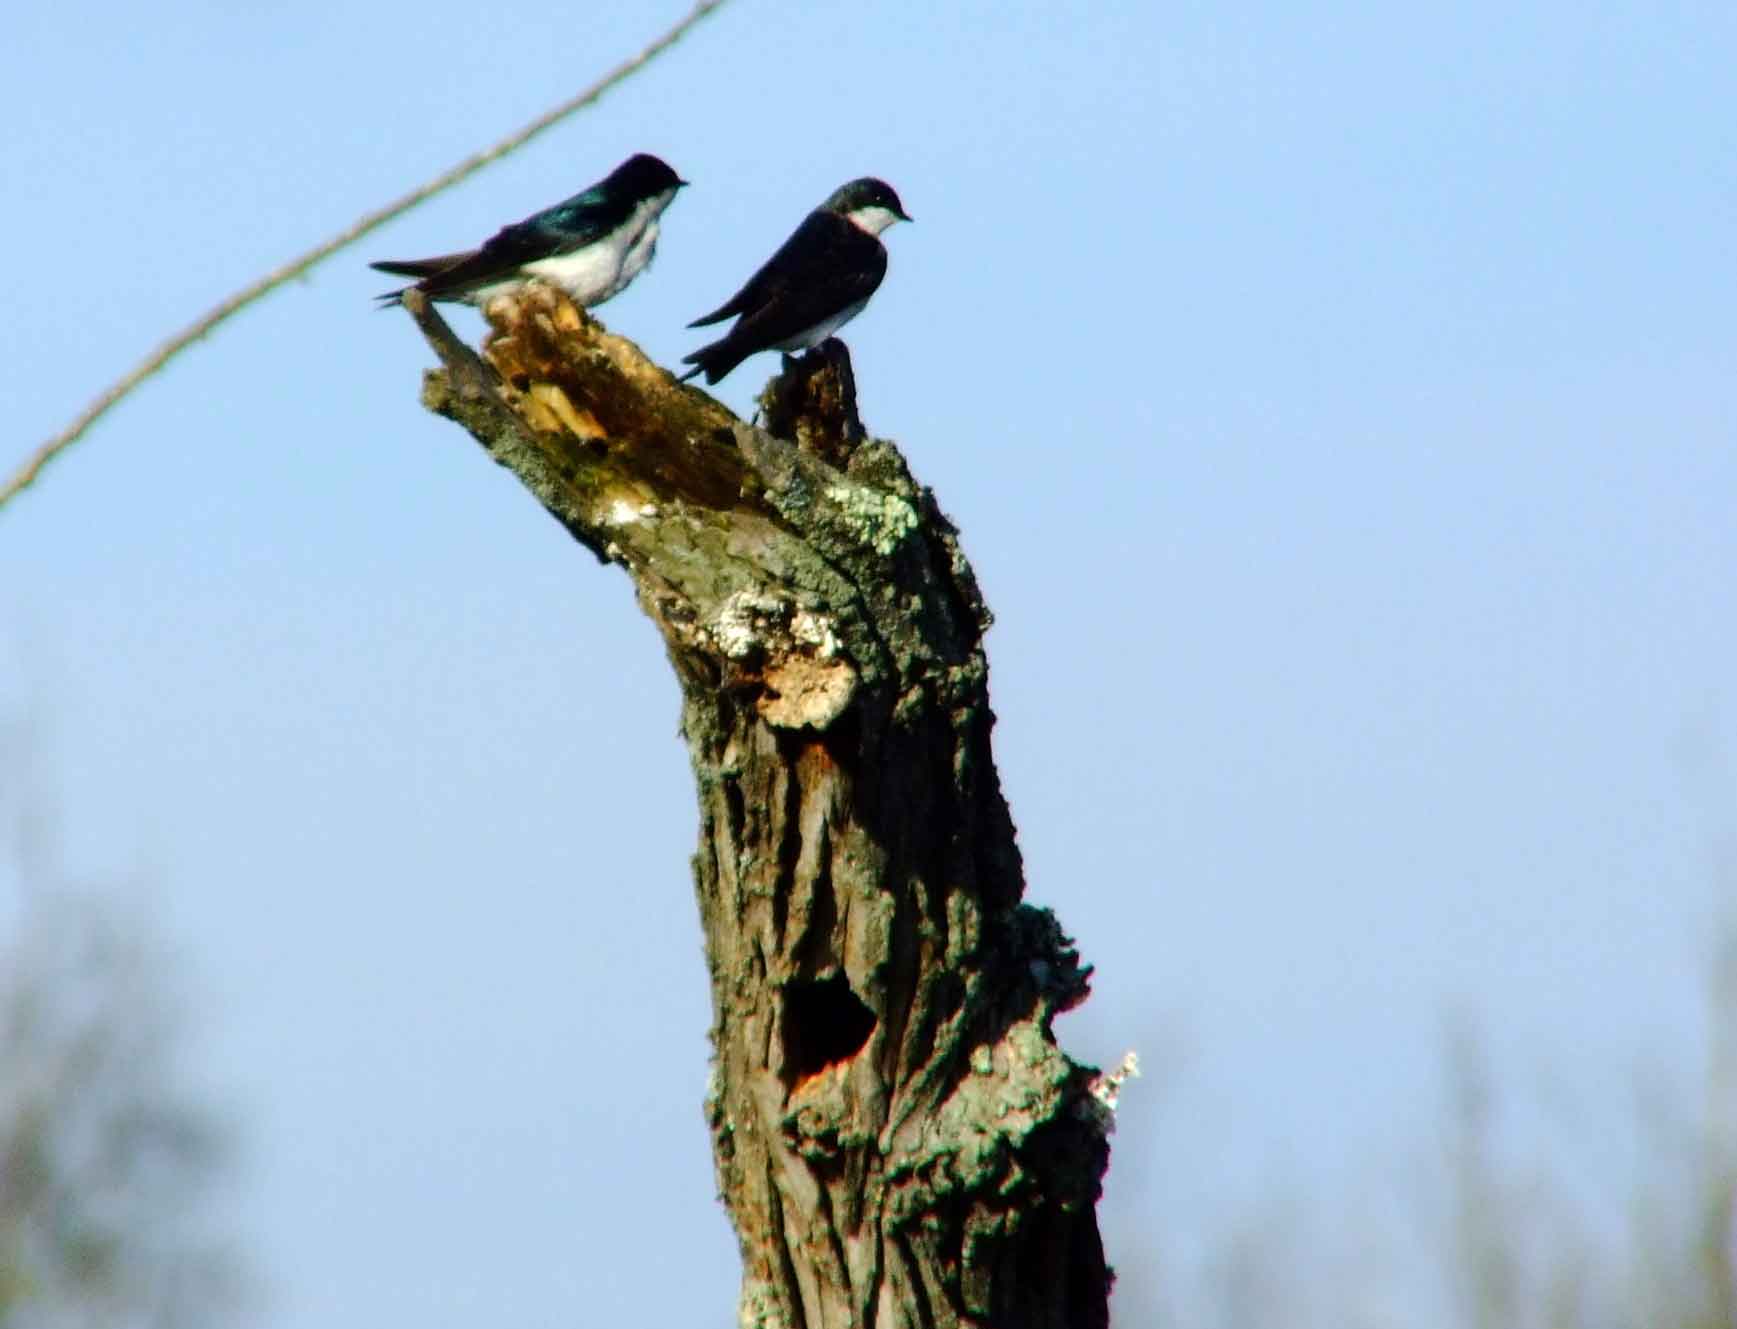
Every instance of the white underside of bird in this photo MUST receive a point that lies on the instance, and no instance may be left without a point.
(812, 337)
(598, 271)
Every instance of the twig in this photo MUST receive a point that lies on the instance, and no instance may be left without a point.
(32, 467)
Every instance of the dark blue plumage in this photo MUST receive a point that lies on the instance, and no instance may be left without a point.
(820, 279)
(590, 245)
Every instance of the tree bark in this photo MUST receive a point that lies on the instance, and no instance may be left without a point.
(898, 1139)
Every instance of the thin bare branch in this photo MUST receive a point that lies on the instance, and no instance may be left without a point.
(33, 465)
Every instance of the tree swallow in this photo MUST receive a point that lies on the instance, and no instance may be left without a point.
(591, 245)
(820, 279)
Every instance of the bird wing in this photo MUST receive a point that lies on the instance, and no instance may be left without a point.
(825, 265)
(571, 224)
(420, 267)
(836, 265)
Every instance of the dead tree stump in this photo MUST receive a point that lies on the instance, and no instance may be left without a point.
(898, 1139)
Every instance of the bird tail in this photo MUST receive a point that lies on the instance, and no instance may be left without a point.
(715, 361)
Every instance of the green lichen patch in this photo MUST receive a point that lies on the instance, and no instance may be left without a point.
(877, 519)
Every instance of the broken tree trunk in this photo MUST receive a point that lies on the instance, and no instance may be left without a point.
(899, 1141)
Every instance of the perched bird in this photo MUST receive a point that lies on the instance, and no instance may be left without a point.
(820, 279)
(591, 245)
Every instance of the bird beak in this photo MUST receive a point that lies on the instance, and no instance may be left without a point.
(906, 217)
(683, 184)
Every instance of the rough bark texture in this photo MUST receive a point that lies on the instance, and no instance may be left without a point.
(899, 1141)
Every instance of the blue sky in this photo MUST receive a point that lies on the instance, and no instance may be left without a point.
(1338, 402)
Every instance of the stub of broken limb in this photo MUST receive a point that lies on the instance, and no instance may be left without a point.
(812, 402)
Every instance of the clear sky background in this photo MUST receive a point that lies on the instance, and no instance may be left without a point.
(1339, 403)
